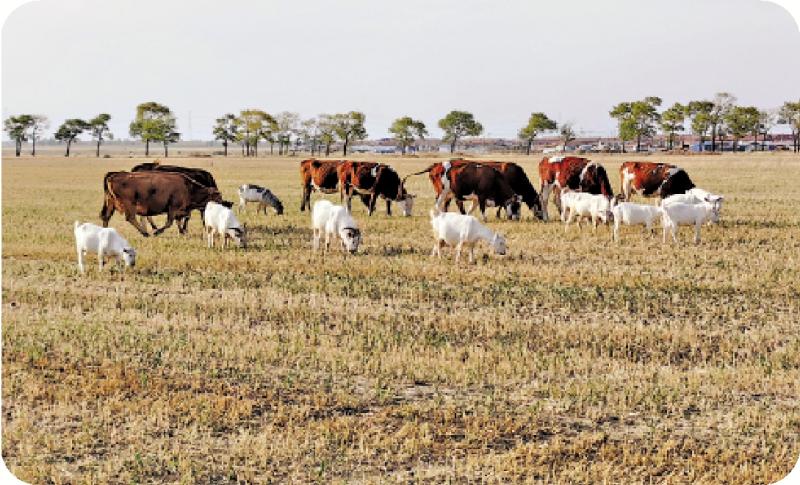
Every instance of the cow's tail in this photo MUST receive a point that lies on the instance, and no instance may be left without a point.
(427, 170)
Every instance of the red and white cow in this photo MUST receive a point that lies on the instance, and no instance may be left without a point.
(653, 179)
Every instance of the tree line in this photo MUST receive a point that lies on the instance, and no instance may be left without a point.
(713, 120)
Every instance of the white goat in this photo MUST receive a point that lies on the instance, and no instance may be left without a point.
(461, 230)
(221, 220)
(632, 214)
(104, 241)
(581, 204)
(334, 220)
(681, 214)
(696, 196)
(686, 198)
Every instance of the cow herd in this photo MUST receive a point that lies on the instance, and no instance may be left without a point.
(579, 187)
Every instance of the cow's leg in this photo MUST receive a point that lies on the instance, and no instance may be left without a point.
(543, 194)
(388, 207)
(306, 200)
(441, 200)
(107, 211)
(170, 220)
(183, 224)
(131, 218)
(372, 200)
(482, 206)
(151, 221)
(557, 197)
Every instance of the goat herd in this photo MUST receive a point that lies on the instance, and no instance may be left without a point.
(580, 189)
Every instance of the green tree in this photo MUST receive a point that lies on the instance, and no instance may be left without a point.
(225, 130)
(627, 131)
(700, 113)
(252, 126)
(789, 114)
(537, 123)
(640, 116)
(766, 120)
(98, 127)
(722, 105)
(406, 130)
(38, 125)
(327, 133)
(168, 134)
(70, 130)
(349, 127)
(458, 124)
(154, 122)
(742, 120)
(672, 120)
(567, 135)
(17, 129)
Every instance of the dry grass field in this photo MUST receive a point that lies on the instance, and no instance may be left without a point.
(571, 359)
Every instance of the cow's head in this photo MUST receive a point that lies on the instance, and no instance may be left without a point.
(351, 238)
(213, 195)
(512, 206)
(129, 256)
(239, 235)
(499, 244)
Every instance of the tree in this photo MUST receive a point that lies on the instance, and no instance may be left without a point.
(722, 104)
(742, 120)
(225, 130)
(672, 121)
(789, 114)
(69, 131)
(627, 131)
(349, 127)
(168, 134)
(17, 128)
(700, 112)
(567, 135)
(327, 133)
(406, 130)
(253, 125)
(98, 127)
(286, 124)
(154, 122)
(537, 123)
(458, 124)
(638, 116)
(38, 125)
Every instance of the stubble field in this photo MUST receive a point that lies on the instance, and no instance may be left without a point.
(571, 359)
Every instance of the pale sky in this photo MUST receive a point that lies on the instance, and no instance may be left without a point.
(501, 60)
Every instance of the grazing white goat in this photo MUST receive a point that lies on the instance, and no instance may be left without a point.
(461, 230)
(334, 220)
(632, 214)
(686, 198)
(104, 241)
(221, 220)
(262, 195)
(581, 204)
(681, 214)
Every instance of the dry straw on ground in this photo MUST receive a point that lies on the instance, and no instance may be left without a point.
(570, 359)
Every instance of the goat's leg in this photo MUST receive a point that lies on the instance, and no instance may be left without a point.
(459, 247)
(80, 261)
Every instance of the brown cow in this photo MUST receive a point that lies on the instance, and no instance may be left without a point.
(575, 173)
(653, 179)
(371, 180)
(203, 177)
(318, 175)
(153, 193)
(519, 182)
(464, 180)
